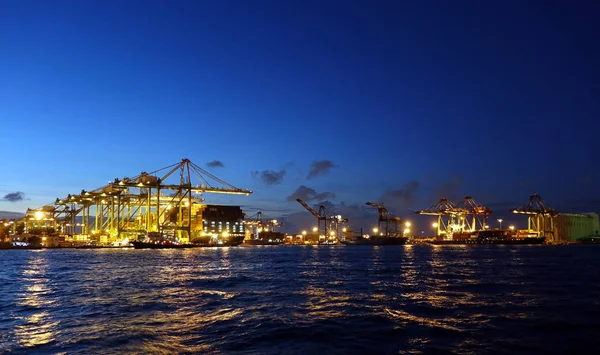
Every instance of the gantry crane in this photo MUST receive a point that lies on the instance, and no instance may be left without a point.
(321, 217)
(259, 223)
(454, 218)
(448, 217)
(329, 225)
(149, 202)
(387, 218)
(540, 218)
(478, 212)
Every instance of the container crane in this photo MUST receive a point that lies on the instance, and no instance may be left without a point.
(259, 222)
(444, 208)
(386, 217)
(540, 218)
(321, 217)
(478, 212)
(166, 200)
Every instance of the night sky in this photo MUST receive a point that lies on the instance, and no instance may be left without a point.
(340, 101)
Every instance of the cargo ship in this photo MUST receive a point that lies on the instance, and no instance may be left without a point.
(374, 240)
(266, 238)
(486, 237)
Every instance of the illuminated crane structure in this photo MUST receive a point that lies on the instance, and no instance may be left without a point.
(167, 201)
(479, 214)
(387, 219)
(540, 218)
(258, 223)
(464, 217)
(329, 226)
(446, 216)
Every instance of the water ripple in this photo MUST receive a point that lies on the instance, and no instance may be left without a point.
(301, 300)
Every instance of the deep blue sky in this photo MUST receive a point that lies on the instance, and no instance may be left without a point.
(494, 99)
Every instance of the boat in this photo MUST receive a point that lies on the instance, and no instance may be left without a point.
(166, 245)
(209, 241)
(266, 238)
(589, 240)
(155, 240)
(374, 240)
(496, 236)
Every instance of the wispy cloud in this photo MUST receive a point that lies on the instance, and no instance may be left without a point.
(14, 196)
(400, 199)
(320, 167)
(215, 164)
(270, 177)
(308, 194)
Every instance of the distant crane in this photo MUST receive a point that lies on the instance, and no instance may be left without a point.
(321, 217)
(444, 208)
(540, 218)
(328, 224)
(386, 217)
(259, 222)
(478, 212)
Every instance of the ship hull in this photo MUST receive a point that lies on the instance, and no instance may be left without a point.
(143, 245)
(589, 240)
(261, 242)
(505, 241)
(266, 238)
(229, 242)
(376, 241)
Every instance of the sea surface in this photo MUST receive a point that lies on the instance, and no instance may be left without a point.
(302, 300)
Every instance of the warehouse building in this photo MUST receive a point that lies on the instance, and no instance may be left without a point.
(573, 226)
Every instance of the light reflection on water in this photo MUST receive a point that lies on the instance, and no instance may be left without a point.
(34, 326)
(298, 300)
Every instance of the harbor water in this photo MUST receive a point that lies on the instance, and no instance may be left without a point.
(302, 300)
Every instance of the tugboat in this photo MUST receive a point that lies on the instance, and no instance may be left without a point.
(497, 236)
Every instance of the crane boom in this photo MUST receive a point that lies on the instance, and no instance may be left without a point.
(313, 212)
(386, 217)
(383, 212)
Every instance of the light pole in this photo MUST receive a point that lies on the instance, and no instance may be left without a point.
(500, 222)
(435, 226)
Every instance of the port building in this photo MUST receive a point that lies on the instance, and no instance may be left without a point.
(573, 226)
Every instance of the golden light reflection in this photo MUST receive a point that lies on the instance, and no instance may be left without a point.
(444, 323)
(38, 328)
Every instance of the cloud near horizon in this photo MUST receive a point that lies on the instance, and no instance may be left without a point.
(215, 164)
(270, 177)
(320, 167)
(400, 200)
(307, 194)
(449, 189)
(14, 197)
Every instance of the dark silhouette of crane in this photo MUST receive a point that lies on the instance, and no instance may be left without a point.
(328, 224)
(321, 217)
(386, 217)
(540, 217)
